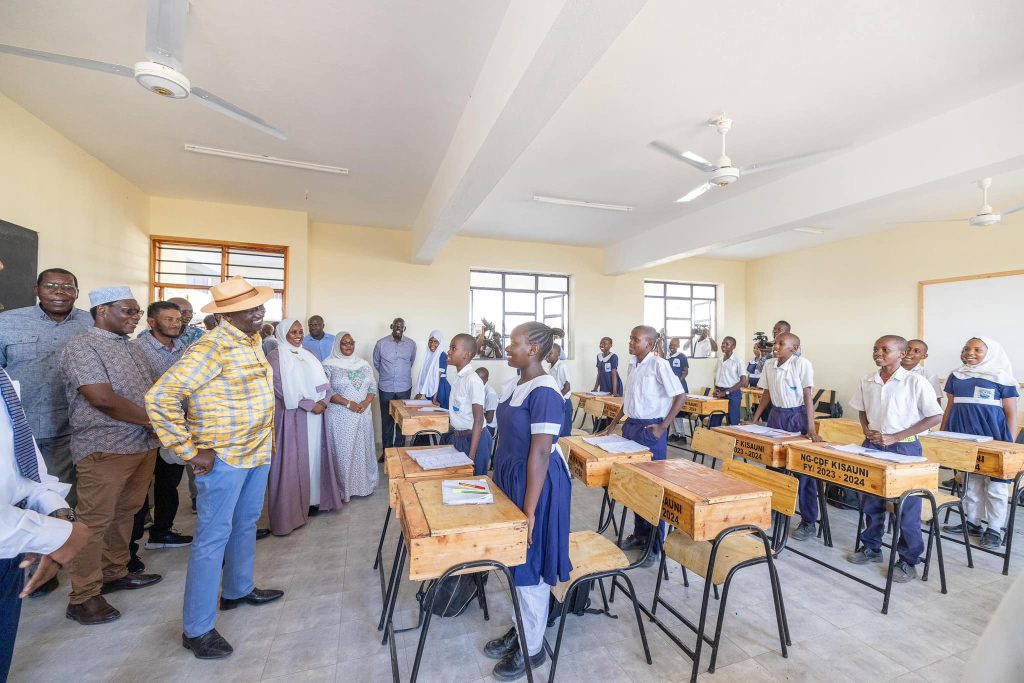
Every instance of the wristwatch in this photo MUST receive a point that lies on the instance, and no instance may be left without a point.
(67, 514)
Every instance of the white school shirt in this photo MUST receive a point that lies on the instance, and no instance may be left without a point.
(650, 388)
(931, 378)
(491, 403)
(728, 371)
(701, 349)
(467, 390)
(893, 406)
(786, 382)
(560, 372)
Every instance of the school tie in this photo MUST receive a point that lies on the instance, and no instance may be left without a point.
(24, 447)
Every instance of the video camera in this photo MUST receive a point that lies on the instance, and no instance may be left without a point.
(763, 342)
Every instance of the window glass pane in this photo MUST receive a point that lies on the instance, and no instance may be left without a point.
(479, 279)
(183, 279)
(703, 292)
(512, 320)
(654, 289)
(275, 308)
(197, 297)
(487, 304)
(261, 277)
(703, 312)
(553, 284)
(678, 328)
(677, 308)
(255, 258)
(552, 305)
(520, 302)
(677, 290)
(654, 312)
(193, 254)
(520, 282)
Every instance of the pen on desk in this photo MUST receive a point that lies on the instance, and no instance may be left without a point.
(472, 486)
(482, 493)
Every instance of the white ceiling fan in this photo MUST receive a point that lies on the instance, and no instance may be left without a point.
(161, 73)
(723, 172)
(985, 216)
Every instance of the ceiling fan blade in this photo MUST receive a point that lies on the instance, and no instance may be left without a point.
(786, 161)
(67, 60)
(1014, 209)
(165, 32)
(695, 160)
(938, 220)
(237, 113)
(694, 193)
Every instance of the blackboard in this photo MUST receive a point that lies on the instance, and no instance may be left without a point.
(19, 253)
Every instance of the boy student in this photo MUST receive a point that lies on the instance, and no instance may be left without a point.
(560, 372)
(730, 377)
(680, 368)
(607, 369)
(490, 402)
(466, 405)
(917, 351)
(894, 406)
(652, 399)
(788, 379)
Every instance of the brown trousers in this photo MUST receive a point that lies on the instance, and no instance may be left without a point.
(111, 489)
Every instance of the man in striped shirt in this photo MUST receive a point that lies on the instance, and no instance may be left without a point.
(225, 435)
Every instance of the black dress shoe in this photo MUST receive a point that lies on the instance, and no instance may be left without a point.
(262, 533)
(499, 647)
(258, 596)
(513, 666)
(130, 582)
(210, 645)
(45, 589)
(633, 543)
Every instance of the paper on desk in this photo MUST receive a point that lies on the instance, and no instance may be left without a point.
(698, 397)
(417, 402)
(878, 455)
(962, 437)
(615, 444)
(456, 492)
(438, 458)
(433, 409)
(599, 393)
(766, 431)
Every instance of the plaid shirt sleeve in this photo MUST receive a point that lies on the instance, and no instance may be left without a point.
(165, 401)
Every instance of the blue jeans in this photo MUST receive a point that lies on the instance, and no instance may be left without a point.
(636, 430)
(11, 578)
(224, 550)
(911, 543)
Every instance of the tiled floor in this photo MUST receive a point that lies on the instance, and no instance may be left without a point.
(325, 628)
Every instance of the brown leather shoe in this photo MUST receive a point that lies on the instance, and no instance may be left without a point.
(95, 610)
(130, 582)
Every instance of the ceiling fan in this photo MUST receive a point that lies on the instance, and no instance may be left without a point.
(161, 73)
(723, 172)
(985, 216)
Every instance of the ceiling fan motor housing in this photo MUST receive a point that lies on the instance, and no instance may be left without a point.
(983, 220)
(725, 175)
(162, 80)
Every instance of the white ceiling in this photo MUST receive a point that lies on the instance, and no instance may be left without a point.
(380, 87)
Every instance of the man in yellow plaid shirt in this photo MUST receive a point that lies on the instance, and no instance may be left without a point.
(214, 409)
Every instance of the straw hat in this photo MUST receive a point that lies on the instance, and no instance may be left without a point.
(236, 294)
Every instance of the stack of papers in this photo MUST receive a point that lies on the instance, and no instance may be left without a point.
(766, 431)
(433, 409)
(962, 437)
(616, 444)
(439, 458)
(466, 492)
(879, 455)
(417, 401)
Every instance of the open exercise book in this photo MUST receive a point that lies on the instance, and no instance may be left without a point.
(439, 458)
(466, 492)
(615, 444)
(417, 402)
(698, 397)
(878, 455)
(432, 409)
(961, 437)
(766, 431)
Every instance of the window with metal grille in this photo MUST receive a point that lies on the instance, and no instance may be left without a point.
(499, 301)
(188, 268)
(681, 309)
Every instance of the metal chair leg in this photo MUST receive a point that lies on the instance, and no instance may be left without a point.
(718, 624)
(636, 610)
(383, 533)
(569, 596)
(967, 538)
(393, 581)
(780, 606)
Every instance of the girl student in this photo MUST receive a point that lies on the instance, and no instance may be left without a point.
(608, 369)
(981, 398)
(433, 380)
(530, 469)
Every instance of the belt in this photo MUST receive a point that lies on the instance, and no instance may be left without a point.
(461, 432)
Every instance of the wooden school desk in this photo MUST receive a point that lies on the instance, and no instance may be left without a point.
(1002, 460)
(889, 480)
(749, 397)
(696, 407)
(767, 450)
(442, 540)
(411, 420)
(581, 404)
(593, 466)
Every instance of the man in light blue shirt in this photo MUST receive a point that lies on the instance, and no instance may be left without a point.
(318, 342)
(190, 334)
(393, 357)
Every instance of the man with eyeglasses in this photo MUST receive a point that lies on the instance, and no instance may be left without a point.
(114, 448)
(31, 341)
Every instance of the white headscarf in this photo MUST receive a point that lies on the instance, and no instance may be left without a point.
(995, 368)
(301, 372)
(429, 380)
(339, 360)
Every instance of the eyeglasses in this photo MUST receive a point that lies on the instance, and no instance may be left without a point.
(59, 287)
(350, 342)
(130, 311)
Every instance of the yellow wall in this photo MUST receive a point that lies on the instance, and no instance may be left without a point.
(840, 297)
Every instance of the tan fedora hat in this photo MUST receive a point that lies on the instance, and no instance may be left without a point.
(236, 294)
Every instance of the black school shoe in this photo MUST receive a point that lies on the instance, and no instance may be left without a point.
(501, 646)
(170, 539)
(972, 529)
(633, 543)
(512, 666)
(210, 645)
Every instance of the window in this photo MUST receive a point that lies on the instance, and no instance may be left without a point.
(680, 308)
(500, 301)
(188, 268)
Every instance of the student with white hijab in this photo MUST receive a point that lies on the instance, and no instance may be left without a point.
(433, 379)
(302, 476)
(349, 418)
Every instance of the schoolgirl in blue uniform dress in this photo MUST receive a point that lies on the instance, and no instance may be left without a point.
(433, 379)
(982, 399)
(608, 370)
(530, 469)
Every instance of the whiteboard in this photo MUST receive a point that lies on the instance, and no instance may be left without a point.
(985, 306)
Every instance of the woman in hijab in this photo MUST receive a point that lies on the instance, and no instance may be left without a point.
(433, 380)
(981, 399)
(302, 478)
(349, 418)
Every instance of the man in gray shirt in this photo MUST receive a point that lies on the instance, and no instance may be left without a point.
(393, 356)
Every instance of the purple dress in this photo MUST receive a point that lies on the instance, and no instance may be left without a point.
(289, 469)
